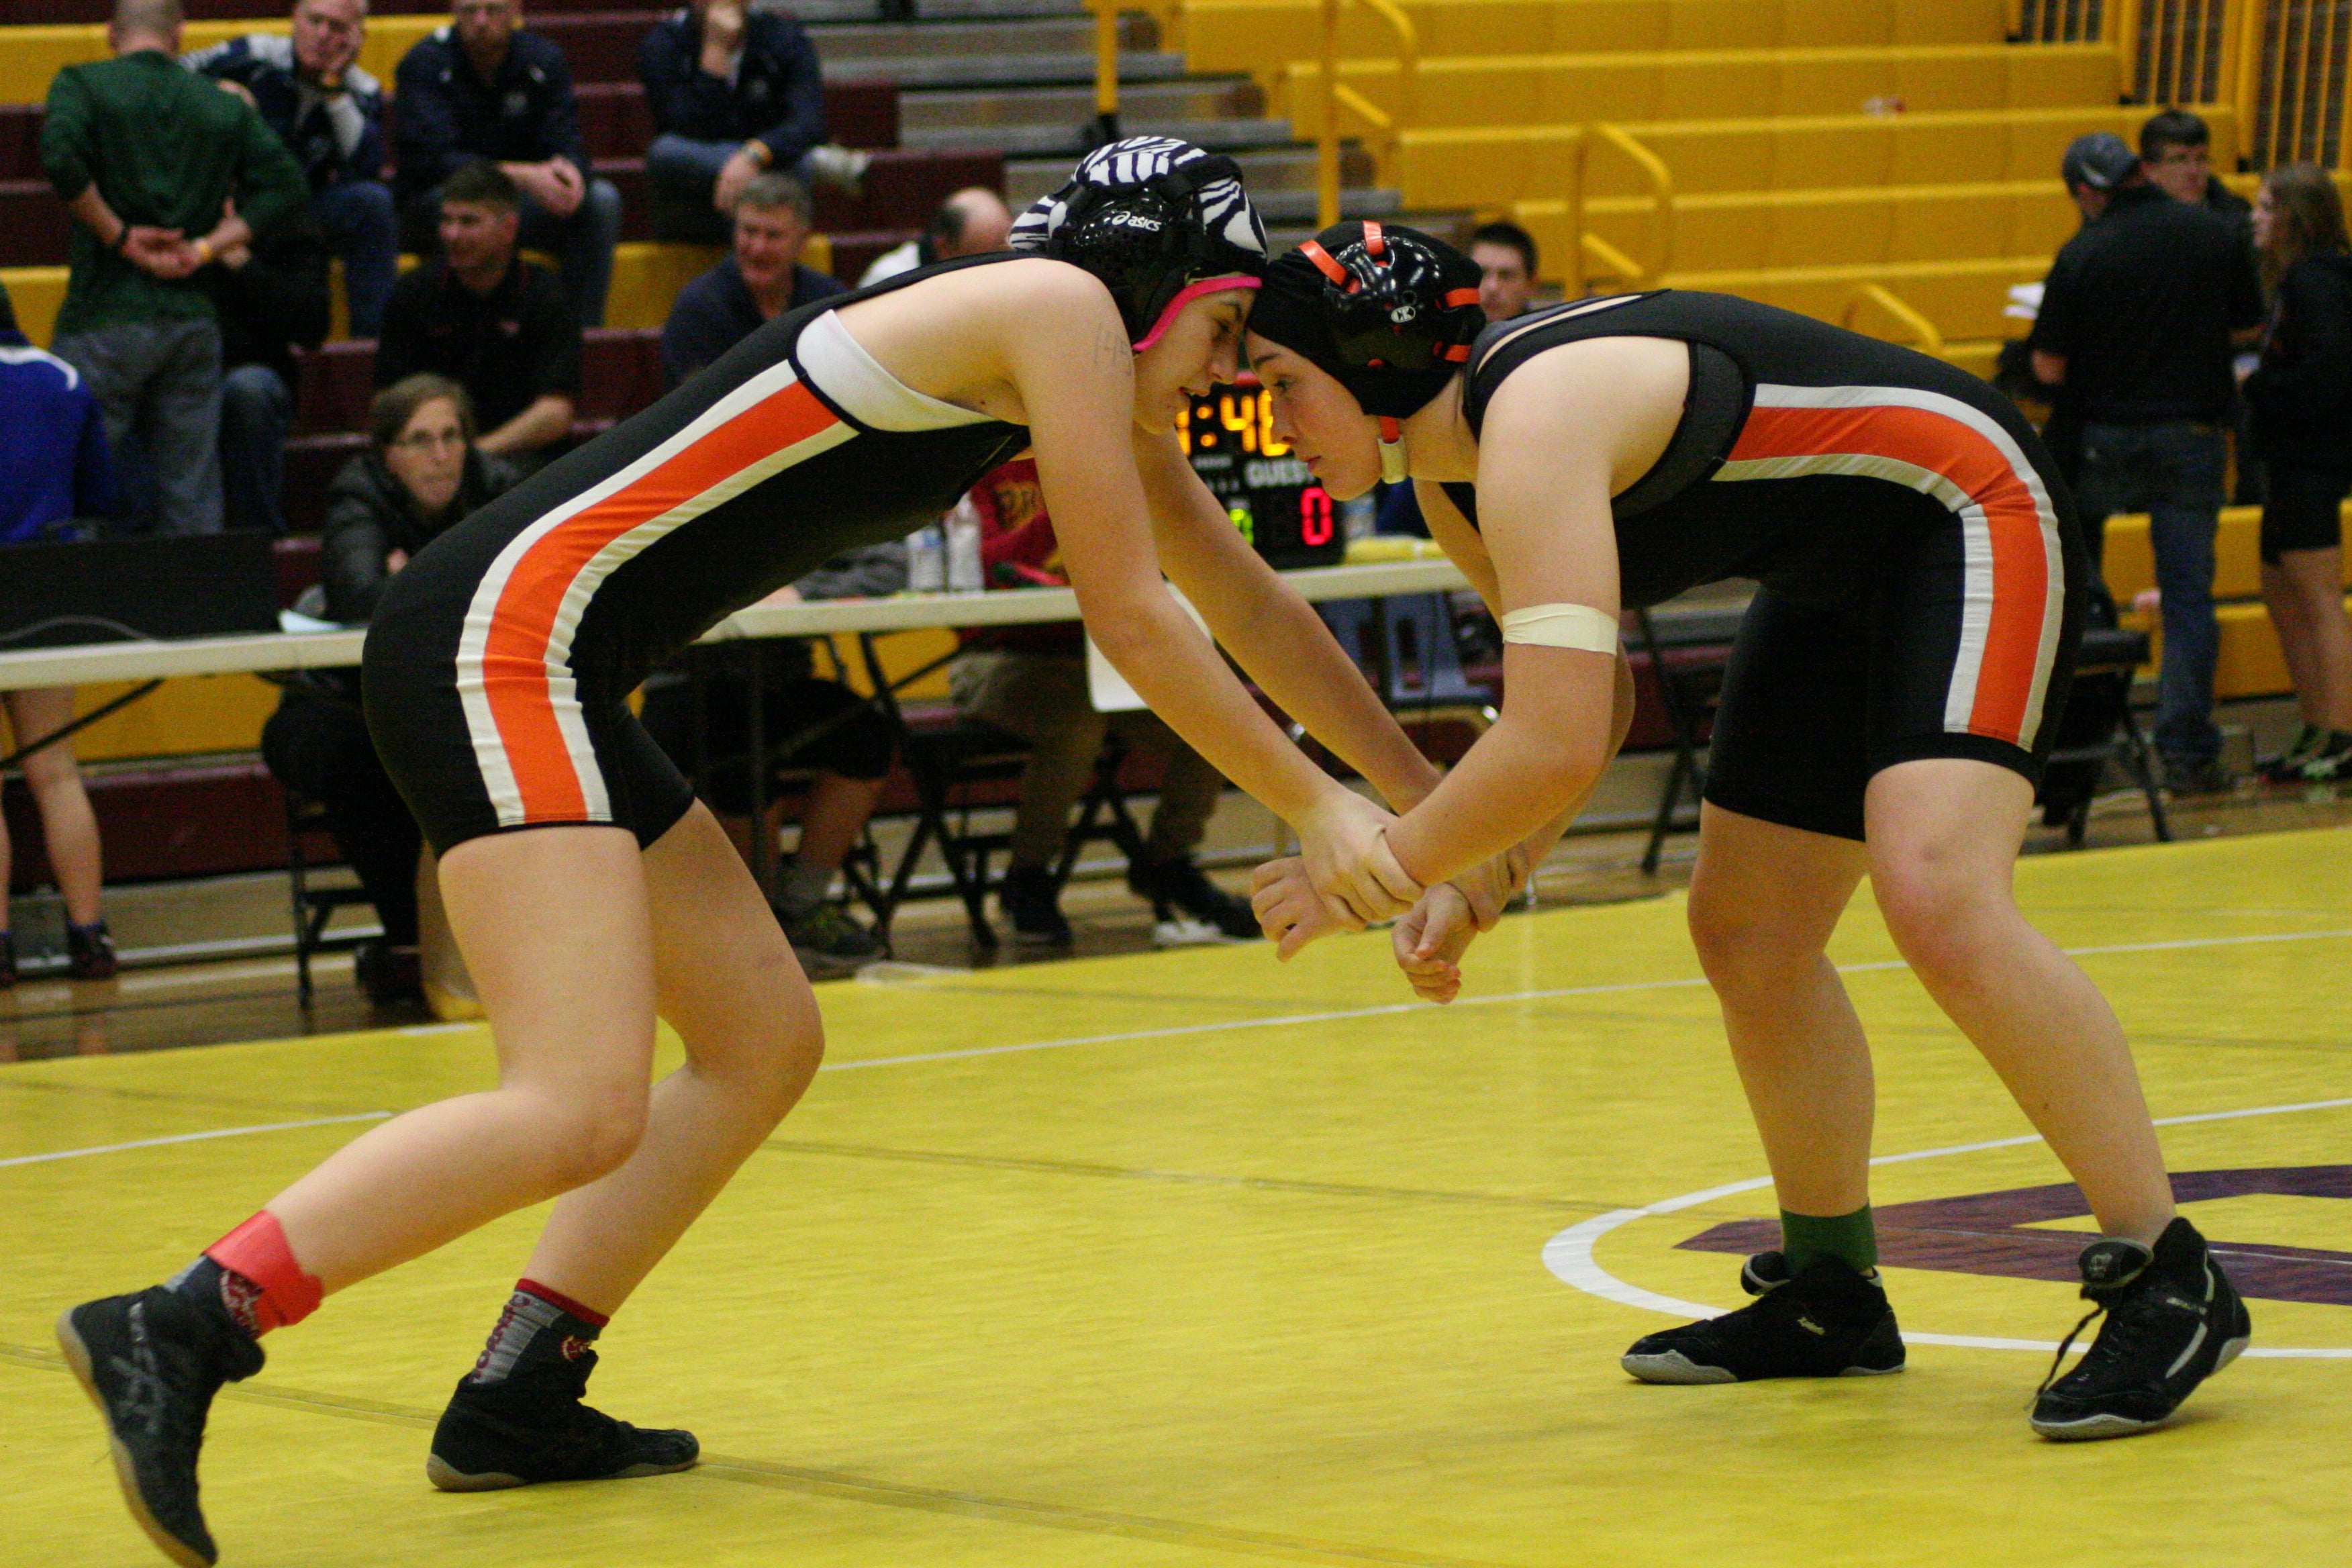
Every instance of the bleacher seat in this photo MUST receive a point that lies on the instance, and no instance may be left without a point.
(1241, 35)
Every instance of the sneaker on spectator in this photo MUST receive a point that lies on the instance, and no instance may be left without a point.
(2186, 778)
(1191, 908)
(2287, 766)
(1034, 905)
(824, 938)
(842, 166)
(89, 952)
(2330, 763)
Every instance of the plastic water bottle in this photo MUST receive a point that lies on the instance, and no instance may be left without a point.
(927, 560)
(962, 527)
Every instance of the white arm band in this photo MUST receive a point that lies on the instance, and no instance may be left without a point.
(1562, 626)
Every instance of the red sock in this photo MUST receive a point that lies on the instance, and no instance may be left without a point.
(272, 1289)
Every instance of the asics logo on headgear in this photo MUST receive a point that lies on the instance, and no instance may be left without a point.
(1402, 313)
(1133, 220)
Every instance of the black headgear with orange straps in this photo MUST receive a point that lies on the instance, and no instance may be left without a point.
(1388, 312)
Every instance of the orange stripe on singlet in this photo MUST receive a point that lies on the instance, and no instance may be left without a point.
(515, 673)
(2012, 523)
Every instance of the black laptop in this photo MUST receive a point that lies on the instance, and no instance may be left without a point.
(117, 590)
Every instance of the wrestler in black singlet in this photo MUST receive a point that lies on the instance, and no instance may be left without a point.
(498, 665)
(1921, 566)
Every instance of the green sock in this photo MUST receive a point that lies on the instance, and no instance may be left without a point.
(1804, 1237)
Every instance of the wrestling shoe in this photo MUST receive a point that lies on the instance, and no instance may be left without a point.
(533, 1427)
(2173, 1320)
(1189, 909)
(152, 1362)
(1827, 1322)
(1034, 905)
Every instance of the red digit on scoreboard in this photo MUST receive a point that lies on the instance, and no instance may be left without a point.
(1314, 516)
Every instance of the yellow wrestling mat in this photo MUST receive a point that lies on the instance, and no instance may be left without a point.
(1195, 1259)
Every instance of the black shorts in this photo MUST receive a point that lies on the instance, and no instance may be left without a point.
(1819, 698)
(2303, 509)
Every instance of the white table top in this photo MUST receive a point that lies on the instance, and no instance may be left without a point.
(83, 664)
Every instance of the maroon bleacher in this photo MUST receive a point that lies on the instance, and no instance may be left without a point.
(901, 188)
(23, 13)
(620, 372)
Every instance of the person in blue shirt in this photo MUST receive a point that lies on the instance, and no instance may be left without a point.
(484, 88)
(735, 93)
(53, 471)
(310, 88)
(760, 281)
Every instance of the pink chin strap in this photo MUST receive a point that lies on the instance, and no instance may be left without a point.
(1192, 293)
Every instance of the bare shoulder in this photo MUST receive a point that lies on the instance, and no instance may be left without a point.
(1613, 403)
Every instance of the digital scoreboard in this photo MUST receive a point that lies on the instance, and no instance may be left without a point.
(1272, 497)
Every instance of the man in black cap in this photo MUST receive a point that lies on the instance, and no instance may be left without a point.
(2137, 324)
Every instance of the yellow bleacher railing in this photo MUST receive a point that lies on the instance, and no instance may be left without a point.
(1591, 259)
(1924, 335)
(1331, 95)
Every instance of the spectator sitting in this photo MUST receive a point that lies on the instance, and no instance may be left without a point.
(851, 758)
(1505, 254)
(2301, 396)
(420, 474)
(481, 87)
(2136, 323)
(973, 222)
(273, 297)
(53, 473)
(488, 320)
(1031, 682)
(147, 154)
(761, 281)
(2176, 148)
(734, 92)
(311, 90)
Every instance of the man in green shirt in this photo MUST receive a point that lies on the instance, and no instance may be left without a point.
(164, 171)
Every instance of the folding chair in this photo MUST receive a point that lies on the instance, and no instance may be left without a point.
(313, 907)
(2098, 727)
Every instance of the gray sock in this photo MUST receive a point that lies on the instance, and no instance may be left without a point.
(805, 886)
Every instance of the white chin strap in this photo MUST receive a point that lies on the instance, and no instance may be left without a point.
(1562, 626)
(1392, 464)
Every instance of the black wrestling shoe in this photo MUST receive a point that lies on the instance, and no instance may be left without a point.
(532, 1427)
(2173, 1320)
(1827, 1322)
(1178, 888)
(151, 1364)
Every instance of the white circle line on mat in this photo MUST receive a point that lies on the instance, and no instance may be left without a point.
(1569, 1255)
(192, 1138)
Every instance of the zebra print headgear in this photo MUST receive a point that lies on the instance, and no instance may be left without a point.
(1159, 221)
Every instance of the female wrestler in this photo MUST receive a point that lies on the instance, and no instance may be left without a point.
(1890, 700)
(587, 889)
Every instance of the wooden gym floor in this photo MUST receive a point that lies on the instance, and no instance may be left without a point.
(1188, 1258)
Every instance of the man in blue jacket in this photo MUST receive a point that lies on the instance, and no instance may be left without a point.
(735, 93)
(483, 88)
(310, 88)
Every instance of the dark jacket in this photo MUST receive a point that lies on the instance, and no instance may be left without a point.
(2301, 391)
(507, 349)
(335, 140)
(369, 517)
(278, 301)
(448, 115)
(777, 96)
(716, 311)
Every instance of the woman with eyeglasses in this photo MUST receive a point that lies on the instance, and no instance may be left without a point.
(420, 474)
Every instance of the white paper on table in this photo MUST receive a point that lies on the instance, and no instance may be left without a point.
(1106, 687)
